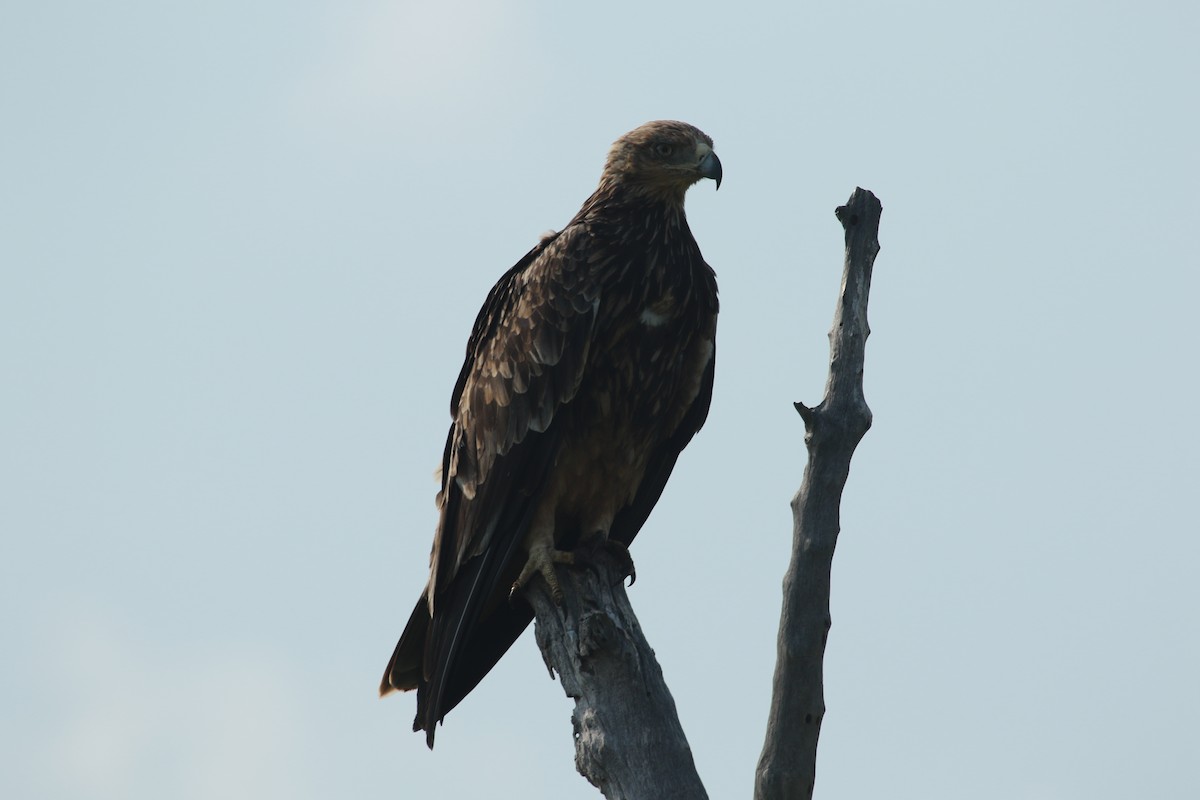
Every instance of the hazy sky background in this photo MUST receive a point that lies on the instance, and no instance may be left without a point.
(242, 245)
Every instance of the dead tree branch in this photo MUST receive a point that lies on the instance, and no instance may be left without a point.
(787, 767)
(628, 740)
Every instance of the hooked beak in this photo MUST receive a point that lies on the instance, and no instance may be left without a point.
(710, 167)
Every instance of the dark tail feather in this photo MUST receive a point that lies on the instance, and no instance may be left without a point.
(403, 671)
(444, 658)
(475, 626)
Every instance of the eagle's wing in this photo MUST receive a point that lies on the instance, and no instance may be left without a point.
(525, 360)
(630, 519)
(697, 388)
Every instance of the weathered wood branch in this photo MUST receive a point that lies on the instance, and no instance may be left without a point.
(787, 766)
(628, 740)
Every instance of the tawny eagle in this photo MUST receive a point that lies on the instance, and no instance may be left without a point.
(589, 369)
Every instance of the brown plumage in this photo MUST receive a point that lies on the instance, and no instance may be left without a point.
(590, 367)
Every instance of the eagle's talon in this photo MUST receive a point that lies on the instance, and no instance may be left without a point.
(541, 561)
(620, 552)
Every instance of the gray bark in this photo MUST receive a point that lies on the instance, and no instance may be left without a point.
(628, 740)
(787, 767)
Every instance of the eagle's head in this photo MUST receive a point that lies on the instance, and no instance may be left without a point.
(662, 158)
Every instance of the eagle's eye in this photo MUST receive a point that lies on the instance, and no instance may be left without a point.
(663, 149)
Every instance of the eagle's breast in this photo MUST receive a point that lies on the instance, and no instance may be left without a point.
(653, 342)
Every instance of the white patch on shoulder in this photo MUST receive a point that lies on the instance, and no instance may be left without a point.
(653, 318)
(547, 236)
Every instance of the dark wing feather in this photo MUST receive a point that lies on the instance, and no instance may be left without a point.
(522, 371)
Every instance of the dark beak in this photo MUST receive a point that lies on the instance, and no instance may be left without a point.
(710, 167)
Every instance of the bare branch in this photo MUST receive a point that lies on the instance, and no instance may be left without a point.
(628, 740)
(787, 766)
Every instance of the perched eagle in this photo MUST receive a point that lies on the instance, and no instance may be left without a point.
(589, 369)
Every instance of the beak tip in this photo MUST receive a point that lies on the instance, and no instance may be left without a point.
(710, 167)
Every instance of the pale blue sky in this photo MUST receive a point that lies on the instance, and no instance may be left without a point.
(242, 245)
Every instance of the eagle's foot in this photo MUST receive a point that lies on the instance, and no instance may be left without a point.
(541, 561)
(589, 546)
